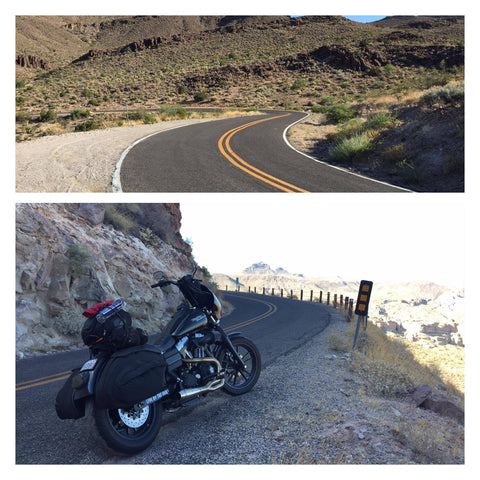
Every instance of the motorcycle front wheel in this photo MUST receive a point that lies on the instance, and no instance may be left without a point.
(237, 379)
(128, 431)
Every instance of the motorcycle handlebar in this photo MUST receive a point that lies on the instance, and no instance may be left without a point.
(163, 283)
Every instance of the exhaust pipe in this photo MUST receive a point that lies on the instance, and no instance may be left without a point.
(210, 387)
(192, 392)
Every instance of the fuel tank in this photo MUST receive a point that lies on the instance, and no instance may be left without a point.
(190, 319)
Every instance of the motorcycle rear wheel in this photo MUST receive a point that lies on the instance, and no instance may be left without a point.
(132, 437)
(237, 380)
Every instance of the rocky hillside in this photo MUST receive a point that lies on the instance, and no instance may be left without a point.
(241, 61)
(418, 311)
(72, 256)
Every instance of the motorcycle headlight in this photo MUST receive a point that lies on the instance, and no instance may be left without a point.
(218, 307)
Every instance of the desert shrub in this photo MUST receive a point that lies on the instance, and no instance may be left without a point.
(338, 113)
(118, 218)
(382, 121)
(91, 124)
(394, 154)
(47, 115)
(299, 84)
(352, 148)
(347, 129)
(79, 257)
(339, 344)
(201, 96)
(383, 378)
(69, 323)
(22, 117)
(429, 443)
(149, 118)
(177, 112)
(79, 113)
(444, 95)
(148, 237)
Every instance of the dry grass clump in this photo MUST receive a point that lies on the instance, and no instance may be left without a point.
(431, 443)
(392, 366)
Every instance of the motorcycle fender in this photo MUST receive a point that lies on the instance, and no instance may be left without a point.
(233, 334)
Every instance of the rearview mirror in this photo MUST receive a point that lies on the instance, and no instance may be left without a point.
(157, 276)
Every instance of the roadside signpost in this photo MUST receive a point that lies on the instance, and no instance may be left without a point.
(361, 309)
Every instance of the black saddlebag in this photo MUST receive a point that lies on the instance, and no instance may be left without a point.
(131, 375)
(65, 404)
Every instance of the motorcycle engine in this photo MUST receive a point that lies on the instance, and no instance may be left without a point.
(197, 375)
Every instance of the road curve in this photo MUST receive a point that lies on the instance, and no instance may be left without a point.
(242, 154)
(42, 438)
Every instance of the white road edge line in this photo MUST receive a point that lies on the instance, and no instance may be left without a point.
(333, 166)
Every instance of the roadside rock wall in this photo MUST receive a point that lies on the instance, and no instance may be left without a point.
(68, 259)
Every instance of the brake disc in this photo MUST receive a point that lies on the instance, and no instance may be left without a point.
(134, 418)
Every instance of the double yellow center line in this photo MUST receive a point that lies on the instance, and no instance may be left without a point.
(270, 311)
(234, 159)
(43, 380)
(64, 375)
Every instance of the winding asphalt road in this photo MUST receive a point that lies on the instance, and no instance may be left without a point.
(243, 154)
(277, 325)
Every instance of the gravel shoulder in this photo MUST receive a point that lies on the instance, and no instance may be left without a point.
(308, 408)
(79, 162)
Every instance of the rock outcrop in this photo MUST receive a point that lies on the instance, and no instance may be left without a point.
(71, 256)
(31, 61)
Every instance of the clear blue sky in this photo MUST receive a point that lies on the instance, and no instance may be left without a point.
(364, 18)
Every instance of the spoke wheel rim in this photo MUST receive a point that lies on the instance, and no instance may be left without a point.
(234, 376)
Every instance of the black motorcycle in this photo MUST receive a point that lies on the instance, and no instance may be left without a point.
(127, 383)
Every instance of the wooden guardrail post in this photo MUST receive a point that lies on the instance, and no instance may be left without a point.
(263, 291)
(328, 298)
(281, 292)
(311, 295)
(320, 298)
(291, 294)
(335, 300)
(273, 292)
(301, 294)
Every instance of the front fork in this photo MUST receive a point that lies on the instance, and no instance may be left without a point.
(230, 347)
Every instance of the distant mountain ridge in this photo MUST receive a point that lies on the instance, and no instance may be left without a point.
(418, 311)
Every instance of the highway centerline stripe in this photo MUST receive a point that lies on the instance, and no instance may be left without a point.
(64, 375)
(238, 162)
(43, 380)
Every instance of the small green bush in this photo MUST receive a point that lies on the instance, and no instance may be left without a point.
(22, 117)
(79, 113)
(201, 96)
(79, 257)
(444, 95)
(352, 148)
(177, 112)
(338, 113)
(299, 84)
(149, 118)
(381, 121)
(91, 124)
(47, 115)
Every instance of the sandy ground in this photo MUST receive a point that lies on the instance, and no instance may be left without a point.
(79, 162)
